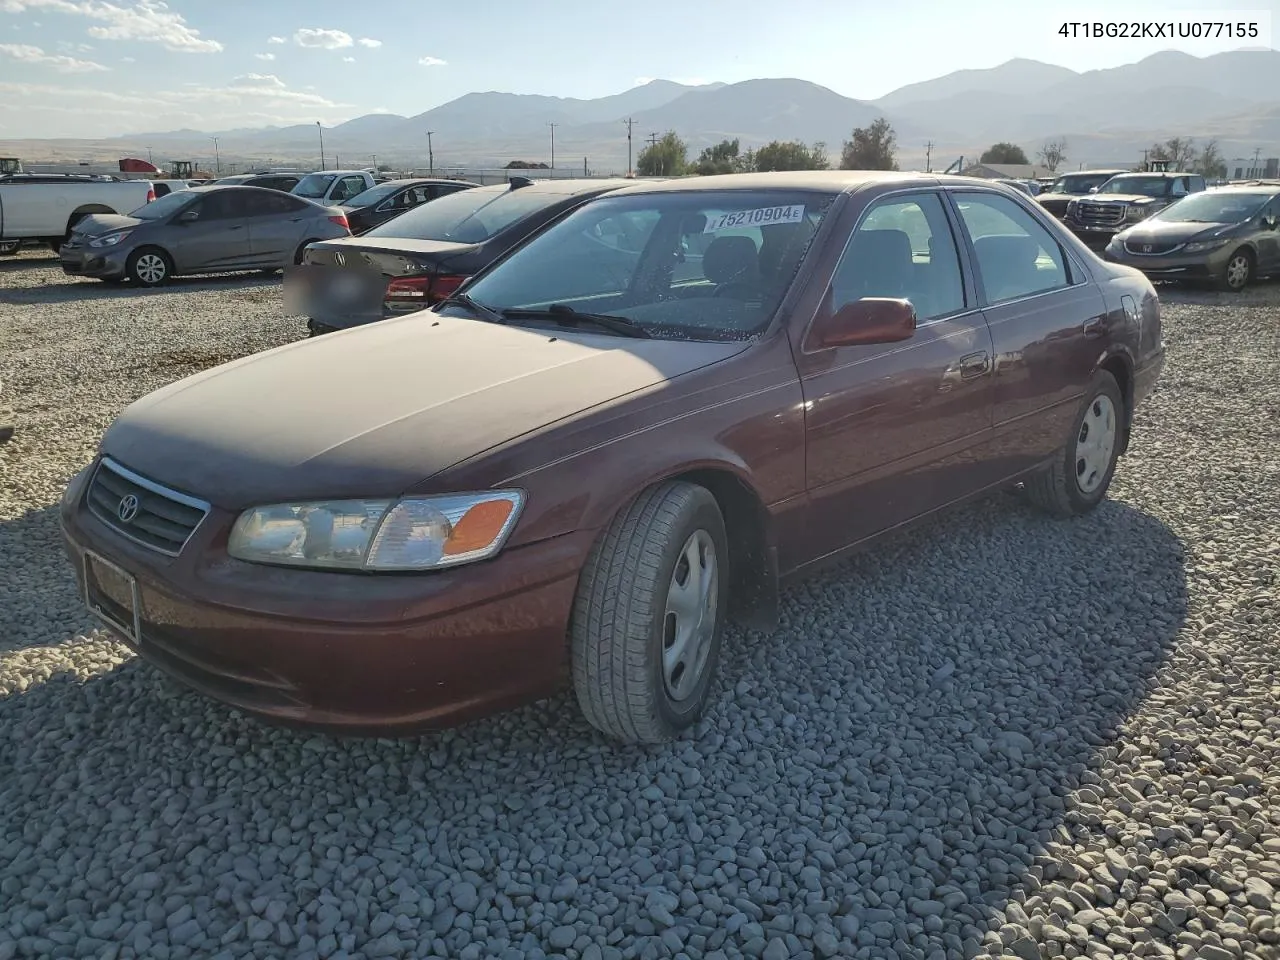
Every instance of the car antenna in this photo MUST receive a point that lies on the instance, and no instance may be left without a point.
(518, 182)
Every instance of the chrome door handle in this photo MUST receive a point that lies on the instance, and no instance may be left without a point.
(974, 365)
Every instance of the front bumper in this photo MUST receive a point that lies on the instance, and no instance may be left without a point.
(360, 654)
(106, 263)
(1174, 266)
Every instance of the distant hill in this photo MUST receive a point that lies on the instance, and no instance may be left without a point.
(1105, 115)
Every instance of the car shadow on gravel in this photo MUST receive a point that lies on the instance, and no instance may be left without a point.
(77, 290)
(885, 769)
(39, 602)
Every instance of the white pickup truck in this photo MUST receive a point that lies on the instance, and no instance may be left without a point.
(42, 208)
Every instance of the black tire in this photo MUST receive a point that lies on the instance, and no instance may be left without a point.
(302, 250)
(143, 256)
(1238, 272)
(621, 628)
(9, 247)
(1060, 490)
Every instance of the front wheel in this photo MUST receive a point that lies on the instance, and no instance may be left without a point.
(8, 247)
(649, 614)
(1078, 479)
(149, 267)
(1238, 271)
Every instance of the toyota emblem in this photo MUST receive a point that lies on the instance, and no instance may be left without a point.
(1146, 248)
(128, 508)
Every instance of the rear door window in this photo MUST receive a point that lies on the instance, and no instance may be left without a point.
(1016, 256)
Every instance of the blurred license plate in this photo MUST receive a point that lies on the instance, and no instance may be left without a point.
(111, 594)
(317, 290)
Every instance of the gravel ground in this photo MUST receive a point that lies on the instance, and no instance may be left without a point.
(1002, 735)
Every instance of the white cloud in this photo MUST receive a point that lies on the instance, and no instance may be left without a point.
(433, 62)
(275, 40)
(348, 59)
(685, 81)
(322, 39)
(145, 21)
(370, 43)
(265, 56)
(128, 59)
(269, 80)
(26, 53)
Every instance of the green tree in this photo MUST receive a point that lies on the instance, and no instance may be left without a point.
(1004, 153)
(791, 155)
(870, 148)
(669, 157)
(724, 157)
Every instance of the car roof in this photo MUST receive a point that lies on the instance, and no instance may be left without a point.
(824, 181)
(418, 181)
(1251, 190)
(215, 187)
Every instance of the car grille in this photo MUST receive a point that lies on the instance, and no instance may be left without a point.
(1150, 249)
(142, 510)
(1099, 214)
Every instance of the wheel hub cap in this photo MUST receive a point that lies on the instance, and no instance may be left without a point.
(690, 620)
(1237, 272)
(150, 268)
(1095, 444)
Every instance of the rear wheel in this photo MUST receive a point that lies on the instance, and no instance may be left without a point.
(9, 247)
(1238, 271)
(1078, 479)
(149, 266)
(648, 616)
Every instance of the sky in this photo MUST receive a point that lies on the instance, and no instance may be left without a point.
(96, 68)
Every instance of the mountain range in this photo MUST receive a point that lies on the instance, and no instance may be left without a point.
(1106, 116)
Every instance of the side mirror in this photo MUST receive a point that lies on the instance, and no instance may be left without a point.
(189, 216)
(864, 322)
(1093, 189)
(1270, 223)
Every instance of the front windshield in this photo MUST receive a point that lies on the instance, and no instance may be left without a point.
(468, 216)
(314, 185)
(1138, 186)
(372, 195)
(1076, 184)
(686, 265)
(163, 207)
(1213, 208)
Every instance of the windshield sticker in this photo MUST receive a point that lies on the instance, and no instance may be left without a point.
(759, 217)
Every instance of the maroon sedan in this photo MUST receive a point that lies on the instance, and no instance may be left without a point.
(627, 431)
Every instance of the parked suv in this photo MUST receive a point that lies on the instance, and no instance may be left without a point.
(1230, 236)
(1069, 185)
(1125, 200)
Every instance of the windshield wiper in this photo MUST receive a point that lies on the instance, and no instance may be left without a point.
(563, 313)
(479, 309)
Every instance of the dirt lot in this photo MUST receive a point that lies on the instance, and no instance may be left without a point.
(1001, 735)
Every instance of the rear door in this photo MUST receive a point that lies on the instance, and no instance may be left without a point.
(276, 223)
(217, 239)
(1048, 323)
(1268, 242)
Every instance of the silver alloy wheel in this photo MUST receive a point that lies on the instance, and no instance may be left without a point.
(1237, 271)
(1095, 444)
(690, 621)
(150, 268)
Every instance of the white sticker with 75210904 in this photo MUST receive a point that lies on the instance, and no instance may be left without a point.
(759, 217)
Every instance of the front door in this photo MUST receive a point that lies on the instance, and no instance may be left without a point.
(1268, 242)
(1048, 324)
(896, 430)
(218, 239)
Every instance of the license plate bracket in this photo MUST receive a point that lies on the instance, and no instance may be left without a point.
(111, 594)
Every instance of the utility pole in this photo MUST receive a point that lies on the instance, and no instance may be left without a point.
(217, 159)
(928, 157)
(629, 122)
(653, 142)
(584, 166)
(374, 158)
(1257, 171)
(553, 148)
(431, 157)
(321, 129)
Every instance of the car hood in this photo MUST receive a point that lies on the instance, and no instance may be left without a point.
(96, 224)
(1120, 198)
(372, 411)
(1156, 231)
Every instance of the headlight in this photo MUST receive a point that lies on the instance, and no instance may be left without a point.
(1071, 208)
(1200, 246)
(110, 240)
(414, 533)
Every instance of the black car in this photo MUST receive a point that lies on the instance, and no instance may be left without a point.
(1069, 185)
(284, 182)
(424, 255)
(393, 197)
